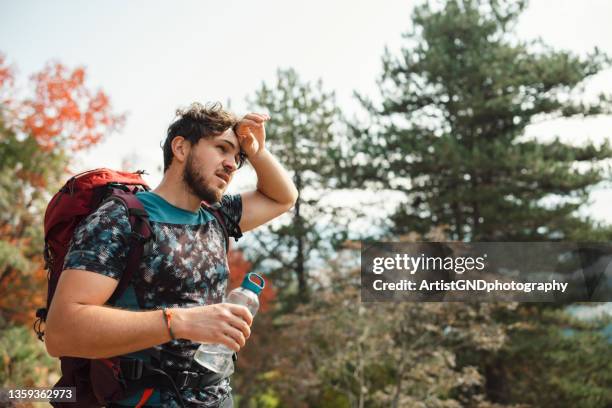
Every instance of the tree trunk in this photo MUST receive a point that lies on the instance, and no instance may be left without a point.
(300, 270)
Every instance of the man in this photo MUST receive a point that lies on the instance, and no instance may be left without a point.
(184, 269)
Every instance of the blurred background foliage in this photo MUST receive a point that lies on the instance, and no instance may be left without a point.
(447, 132)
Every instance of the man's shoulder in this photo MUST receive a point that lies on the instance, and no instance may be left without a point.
(99, 242)
(231, 202)
(229, 210)
(109, 215)
(110, 210)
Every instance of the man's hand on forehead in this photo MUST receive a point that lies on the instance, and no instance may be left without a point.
(251, 133)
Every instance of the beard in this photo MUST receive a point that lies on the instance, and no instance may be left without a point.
(198, 184)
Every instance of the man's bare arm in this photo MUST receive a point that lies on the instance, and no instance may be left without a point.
(276, 193)
(79, 325)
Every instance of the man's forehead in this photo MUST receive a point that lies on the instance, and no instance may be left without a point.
(229, 136)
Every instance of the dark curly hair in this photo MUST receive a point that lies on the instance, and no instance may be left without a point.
(196, 122)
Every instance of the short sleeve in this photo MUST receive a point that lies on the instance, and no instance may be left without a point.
(100, 243)
(231, 210)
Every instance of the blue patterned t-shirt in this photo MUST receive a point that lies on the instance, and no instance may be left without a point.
(184, 265)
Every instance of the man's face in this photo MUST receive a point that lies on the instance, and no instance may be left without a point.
(210, 166)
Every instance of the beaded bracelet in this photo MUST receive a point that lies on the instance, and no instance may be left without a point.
(168, 319)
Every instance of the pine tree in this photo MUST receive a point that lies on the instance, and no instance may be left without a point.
(303, 134)
(450, 131)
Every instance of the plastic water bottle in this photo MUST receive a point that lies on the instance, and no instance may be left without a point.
(217, 357)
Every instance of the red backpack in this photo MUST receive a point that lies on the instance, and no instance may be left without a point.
(79, 197)
(100, 381)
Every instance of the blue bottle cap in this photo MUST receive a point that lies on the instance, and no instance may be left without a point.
(250, 282)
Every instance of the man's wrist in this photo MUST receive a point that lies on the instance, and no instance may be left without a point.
(178, 322)
(257, 157)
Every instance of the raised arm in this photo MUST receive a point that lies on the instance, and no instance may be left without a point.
(275, 192)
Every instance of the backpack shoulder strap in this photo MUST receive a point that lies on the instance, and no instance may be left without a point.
(217, 214)
(141, 233)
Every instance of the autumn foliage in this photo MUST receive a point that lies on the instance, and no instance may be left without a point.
(39, 130)
(7, 79)
(65, 112)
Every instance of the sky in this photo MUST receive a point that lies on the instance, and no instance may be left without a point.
(152, 57)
